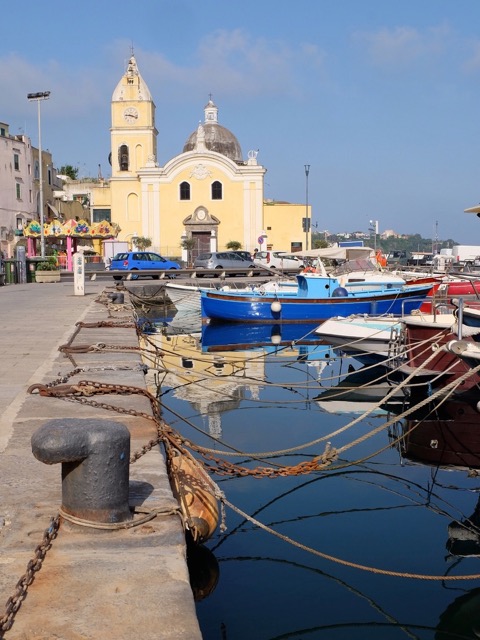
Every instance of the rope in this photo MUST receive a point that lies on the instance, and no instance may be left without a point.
(150, 514)
(347, 563)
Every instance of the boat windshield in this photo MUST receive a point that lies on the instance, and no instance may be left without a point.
(354, 265)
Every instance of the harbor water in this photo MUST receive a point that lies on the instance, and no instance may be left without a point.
(347, 514)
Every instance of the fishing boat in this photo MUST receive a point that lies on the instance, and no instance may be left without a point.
(317, 298)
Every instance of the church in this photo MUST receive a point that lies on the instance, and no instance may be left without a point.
(208, 195)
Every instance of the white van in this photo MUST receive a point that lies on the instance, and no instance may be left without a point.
(278, 260)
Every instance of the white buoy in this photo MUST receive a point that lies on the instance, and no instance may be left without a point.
(276, 307)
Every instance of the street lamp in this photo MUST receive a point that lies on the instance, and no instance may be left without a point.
(40, 95)
(307, 221)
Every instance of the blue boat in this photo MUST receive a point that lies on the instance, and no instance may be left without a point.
(316, 299)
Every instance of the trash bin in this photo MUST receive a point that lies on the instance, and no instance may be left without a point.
(30, 271)
(10, 271)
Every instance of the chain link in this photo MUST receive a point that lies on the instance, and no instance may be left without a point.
(13, 604)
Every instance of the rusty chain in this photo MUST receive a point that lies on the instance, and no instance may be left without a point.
(33, 566)
(83, 391)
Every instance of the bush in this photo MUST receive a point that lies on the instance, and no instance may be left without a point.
(48, 265)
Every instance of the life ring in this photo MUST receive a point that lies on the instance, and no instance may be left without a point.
(309, 270)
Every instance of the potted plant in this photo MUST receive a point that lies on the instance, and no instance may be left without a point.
(47, 271)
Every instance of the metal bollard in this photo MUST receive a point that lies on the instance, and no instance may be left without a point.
(116, 297)
(95, 457)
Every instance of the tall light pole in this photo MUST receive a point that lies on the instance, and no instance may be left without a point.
(307, 221)
(40, 95)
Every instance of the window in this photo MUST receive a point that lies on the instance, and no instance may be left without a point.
(123, 157)
(16, 161)
(184, 191)
(98, 215)
(217, 190)
(19, 191)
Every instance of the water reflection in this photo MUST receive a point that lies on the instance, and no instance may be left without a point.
(402, 496)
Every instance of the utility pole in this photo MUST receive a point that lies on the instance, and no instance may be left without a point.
(307, 220)
(40, 95)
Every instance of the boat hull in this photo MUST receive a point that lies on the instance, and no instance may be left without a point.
(231, 307)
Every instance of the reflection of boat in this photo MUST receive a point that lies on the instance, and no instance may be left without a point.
(232, 337)
(317, 298)
(360, 391)
(452, 438)
(450, 441)
(461, 619)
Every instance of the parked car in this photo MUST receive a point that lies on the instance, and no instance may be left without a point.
(139, 260)
(222, 260)
(278, 260)
(246, 255)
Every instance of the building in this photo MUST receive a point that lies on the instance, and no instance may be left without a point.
(208, 194)
(20, 186)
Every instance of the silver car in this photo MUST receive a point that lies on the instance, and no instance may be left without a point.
(222, 260)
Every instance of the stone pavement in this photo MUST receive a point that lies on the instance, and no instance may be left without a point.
(93, 583)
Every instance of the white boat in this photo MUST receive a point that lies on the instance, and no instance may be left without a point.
(365, 337)
(186, 297)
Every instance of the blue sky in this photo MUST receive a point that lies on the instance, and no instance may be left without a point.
(380, 97)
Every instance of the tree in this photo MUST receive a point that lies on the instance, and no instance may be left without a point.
(141, 242)
(68, 170)
(189, 244)
(234, 245)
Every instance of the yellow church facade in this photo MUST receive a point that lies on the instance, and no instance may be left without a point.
(208, 194)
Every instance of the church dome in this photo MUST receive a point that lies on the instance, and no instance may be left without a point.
(216, 137)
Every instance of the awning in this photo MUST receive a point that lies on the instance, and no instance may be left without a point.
(475, 209)
(53, 210)
(336, 253)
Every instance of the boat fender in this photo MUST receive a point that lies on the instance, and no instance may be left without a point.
(340, 292)
(276, 307)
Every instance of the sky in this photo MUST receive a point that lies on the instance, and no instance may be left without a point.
(379, 97)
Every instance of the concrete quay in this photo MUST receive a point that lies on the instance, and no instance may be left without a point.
(128, 583)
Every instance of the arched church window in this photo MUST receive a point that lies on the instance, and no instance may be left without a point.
(217, 192)
(123, 157)
(184, 191)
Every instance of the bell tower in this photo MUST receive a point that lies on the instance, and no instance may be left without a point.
(133, 134)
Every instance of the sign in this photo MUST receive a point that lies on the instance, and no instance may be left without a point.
(260, 239)
(79, 273)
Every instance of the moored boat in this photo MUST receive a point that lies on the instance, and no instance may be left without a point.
(425, 339)
(316, 299)
(366, 337)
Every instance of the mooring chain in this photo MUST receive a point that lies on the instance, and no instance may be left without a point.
(34, 565)
(83, 390)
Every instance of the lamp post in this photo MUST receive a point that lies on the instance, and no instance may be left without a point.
(40, 95)
(307, 221)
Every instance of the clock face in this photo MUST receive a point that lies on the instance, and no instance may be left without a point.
(130, 114)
